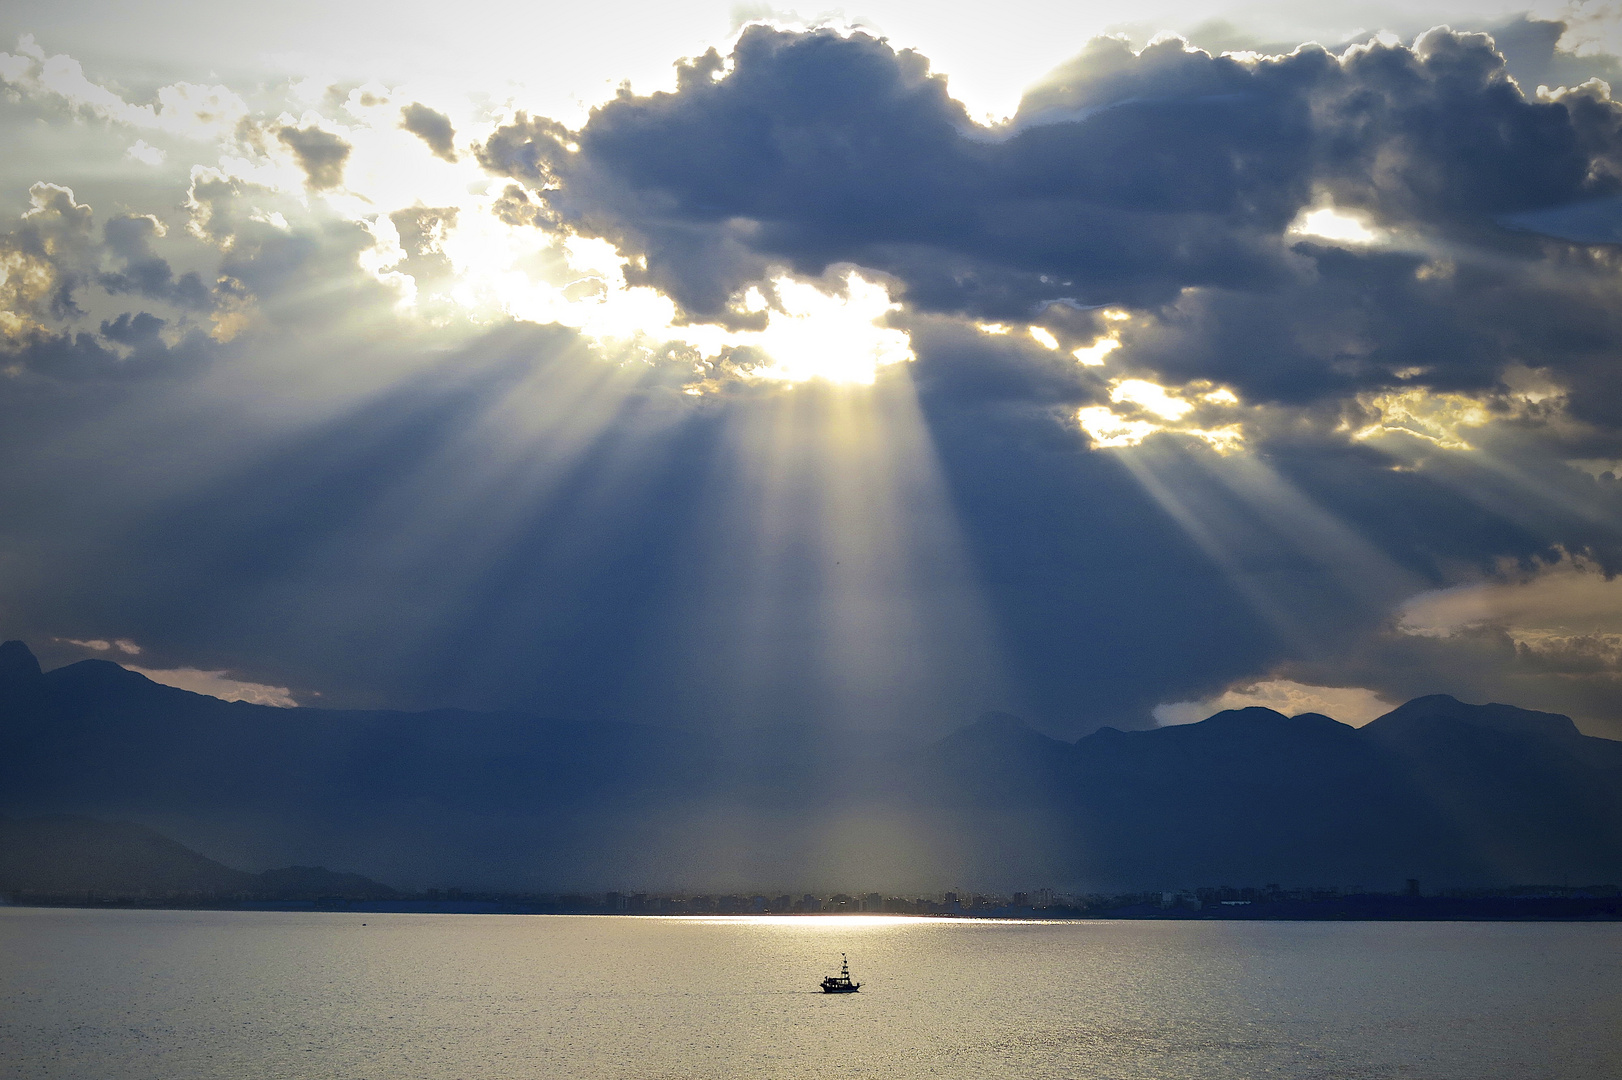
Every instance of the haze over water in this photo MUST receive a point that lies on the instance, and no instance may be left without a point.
(191, 995)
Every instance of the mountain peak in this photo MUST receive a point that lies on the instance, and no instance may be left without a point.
(999, 721)
(17, 663)
(100, 673)
(1433, 709)
(1251, 714)
(22, 686)
(998, 733)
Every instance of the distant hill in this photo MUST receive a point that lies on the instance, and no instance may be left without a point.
(67, 856)
(1452, 793)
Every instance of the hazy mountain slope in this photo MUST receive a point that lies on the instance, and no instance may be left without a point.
(65, 855)
(70, 855)
(1530, 798)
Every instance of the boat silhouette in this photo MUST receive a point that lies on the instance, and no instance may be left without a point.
(841, 984)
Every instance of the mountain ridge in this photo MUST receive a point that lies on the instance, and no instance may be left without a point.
(1437, 788)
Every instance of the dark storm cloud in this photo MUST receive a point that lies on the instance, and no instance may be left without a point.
(1375, 320)
(1161, 181)
(321, 155)
(1439, 134)
(817, 149)
(1531, 47)
(1127, 177)
(432, 127)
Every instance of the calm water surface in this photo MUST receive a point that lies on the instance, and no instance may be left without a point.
(185, 995)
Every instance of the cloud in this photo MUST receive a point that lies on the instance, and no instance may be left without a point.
(44, 260)
(52, 264)
(1161, 170)
(123, 645)
(1570, 596)
(432, 127)
(817, 148)
(146, 154)
(1550, 633)
(219, 684)
(189, 110)
(1352, 705)
(320, 154)
(1208, 196)
(129, 239)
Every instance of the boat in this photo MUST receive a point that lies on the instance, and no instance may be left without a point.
(841, 984)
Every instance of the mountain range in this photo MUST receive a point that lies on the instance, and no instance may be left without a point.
(1456, 794)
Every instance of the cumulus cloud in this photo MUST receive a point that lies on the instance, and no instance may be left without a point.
(128, 239)
(53, 269)
(1547, 632)
(1128, 176)
(321, 154)
(1192, 190)
(45, 259)
(190, 110)
(432, 127)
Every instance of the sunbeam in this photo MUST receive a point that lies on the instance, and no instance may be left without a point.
(1227, 540)
(831, 584)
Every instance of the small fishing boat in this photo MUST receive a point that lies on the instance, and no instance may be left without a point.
(841, 984)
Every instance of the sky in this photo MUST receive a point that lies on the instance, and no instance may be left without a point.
(867, 368)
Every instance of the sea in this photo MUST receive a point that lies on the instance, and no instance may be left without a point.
(186, 995)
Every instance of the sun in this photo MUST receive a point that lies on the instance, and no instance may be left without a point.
(839, 339)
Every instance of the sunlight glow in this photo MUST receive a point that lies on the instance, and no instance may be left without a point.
(1108, 430)
(452, 245)
(580, 282)
(803, 922)
(1156, 399)
(817, 336)
(1339, 226)
(1144, 408)
(1044, 337)
(1435, 418)
(1094, 355)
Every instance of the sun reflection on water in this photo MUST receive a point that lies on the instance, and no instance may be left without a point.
(805, 922)
(847, 922)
